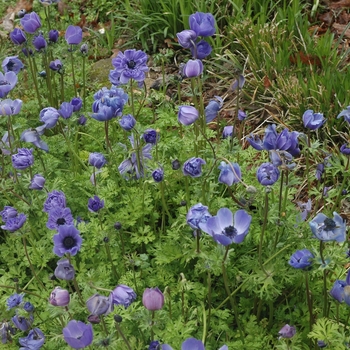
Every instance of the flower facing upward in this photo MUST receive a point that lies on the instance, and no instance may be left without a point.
(59, 216)
(187, 115)
(12, 64)
(132, 64)
(59, 297)
(37, 182)
(287, 331)
(150, 136)
(158, 175)
(267, 174)
(123, 295)
(15, 223)
(54, 199)
(192, 344)
(10, 107)
(193, 68)
(7, 82)
(39, 42)
(227, 228)
(230, 173)
(33, 341)
(76, 103)
(95, 204)
(14, 300)
(23, 159)
(203, 24)
(301, 259)
(193, 167)
(97, 160)
(67, 240)
(66, 110)
(77, 334)
(31, 22)
(152, 299)
(197, 215)
(64, 270)
(227, 132)
(327, 229)
(313, 120)
(74, 35)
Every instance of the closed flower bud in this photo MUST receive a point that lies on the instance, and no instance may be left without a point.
(118, 225)
(153, 299)
(227, 132)
(267, 174)
(76, 103)
(193, 167)
(84, 49)
(238, 83)
(74, 35)
(59, 297)
(186, 38)
(97, 160)
(193, 68)
(18, 37)
(202, 50)
(150, 136)
(37, 183)
(100, 305)
(66, 110)
(175, 164)
(214, 106)
(82, 120)
(64, 270)
(127, 122)
(94, 319)
(203, 24)
(28, 306)
(187, 115)
(56, 65)
(31, 22)
(313, 120)
(53, 36)
(39, 42)
(123, 295)
(158, 175)
(21, 13)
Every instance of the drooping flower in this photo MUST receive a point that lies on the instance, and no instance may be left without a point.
(158, 175)
(33, 136)
(306, 208)
(227, 228)
(346, 114)
(203, 24)
(230, 173)
(31, 22)
(82, 120)
(152, 299)
(241, 115)
(15, 223)
(192, 344)
(54, 199)
(287, 331)
(313, 120)
(73, 35)
(97, 160)
(345, 149)
(132, 64)
(59, 216)
(187, 38)
(327, 229)
(66, 110)
(53, 36)
(64, 270)
(23, 158)
(7, 82)
(76, 103)
(238, 83)
(193, 167)
(18, 37)
(301, 259)
(193, 68)
(39, 42)
(49, 116)
(33, 341)
(337, 291)
(227, 132)
(37, 182)
(127, 122)
(95, 204)
(67, 240)
(56, 66)
(77, 334)
(12, 64)
(187, 115)
(150, 136)
(211, 111)
(267, 174)
(201, 50)
(59, 297)
(14, 300)
(10, 107)
(123, 295)
(8, 213)
(100, 305)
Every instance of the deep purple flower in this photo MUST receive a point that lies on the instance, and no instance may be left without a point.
(227, 228)
(97, 160)
(7, 82)
(28, 306)
(8, 213)
(77, 103)
(193, 167)
(187, 115)
(10, 107)
(56, 66)
(154, 345)
(201, 50)
(18, 37)
(313, 120)
(158, 175)
(95, 204)
(132, 64)
(192, 344)
(23, 159)
(53, 36)
(238, 83)
(193, 68)
(77, 334)
(241, 115)
(30, 22)
(175, 164)
(64, 270)
(54, 199)
(33, 136)
(345, 149)
(197, 215)
(12, 64)
(100, 305)
(123, 295)
(150, 136)
(186, 38)
(203, 24)
(152, 299)
(227, 132)
(346, 114)
(59, 216)
(59, 297)
(33, 341)
(15, 223)
(230, 173)
(37, 182)
(22, 323)
(287, 331)
(49, 116)
(74, 35)
(27, 52)
(127, 122)
(211, 111)
(301, 259)
(66, 110)
(67, 240)
(327, 229)
(82, 120)
(39, 42)
(14, 300)
(267, 174)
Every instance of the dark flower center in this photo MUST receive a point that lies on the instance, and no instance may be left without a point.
(10, 65)
(68, 242)
(3, 82)
(230, 232)
(329, 224)
(131, 64)
(60, 221)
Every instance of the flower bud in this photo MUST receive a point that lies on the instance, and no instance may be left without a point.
(187, 115)
(99, 304)
(193, 68)
(59, 297)
(153, 299)
(37, 183)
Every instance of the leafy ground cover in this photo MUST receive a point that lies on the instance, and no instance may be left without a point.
(193, 194)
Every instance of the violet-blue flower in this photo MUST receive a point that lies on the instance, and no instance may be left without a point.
(76, 103)
(18, 37)
(95, 204)
(12, 64)
(64, 270)
(7, 82)
(132, 64)
(127, 122)
(33, 341)
(153, 299)
(59, 297)
(337, 291)
(193, 68)
(203, 24)
(39, 42)
(56, 66)
(227, 132)
(238, 83)
(67, 240)
(49, 116)
(346, 114)
(59, 216)
(53, 36)
(37, 182)
(187, 115)
(54, 199)
(212, 109)
(328, 229)
(123, 295)
(150, 136)
(8, 213)
(301, 259)
(33, 136)
(313, 120)
(197, 215)
(22, 323)
(30, 22)
(14, 300)
(66, 110)
(227, 228)
(77, 334)
(192, 344)
(201, 50)
(15, 223)
(158, 175)
(97, 160)
(267, 174)
(241, 115)
(287, 331)
(10, 107)
(345, 149)
(193, 167)
(187, 38)
(23, 158)
(100, 305)
(73, 35)
(230, 173)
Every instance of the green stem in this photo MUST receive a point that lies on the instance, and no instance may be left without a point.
(122, 335)
(309, 301)
(23, 291)
(104, 326)
(152, 324)
(33, 72)
(73, 74)
(114, 271)
(266, 210)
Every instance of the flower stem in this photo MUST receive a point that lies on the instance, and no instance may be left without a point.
(114, 271)
(122, 335)
(73, 74)
(108, 144)
(266, 210)
(309, 301)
